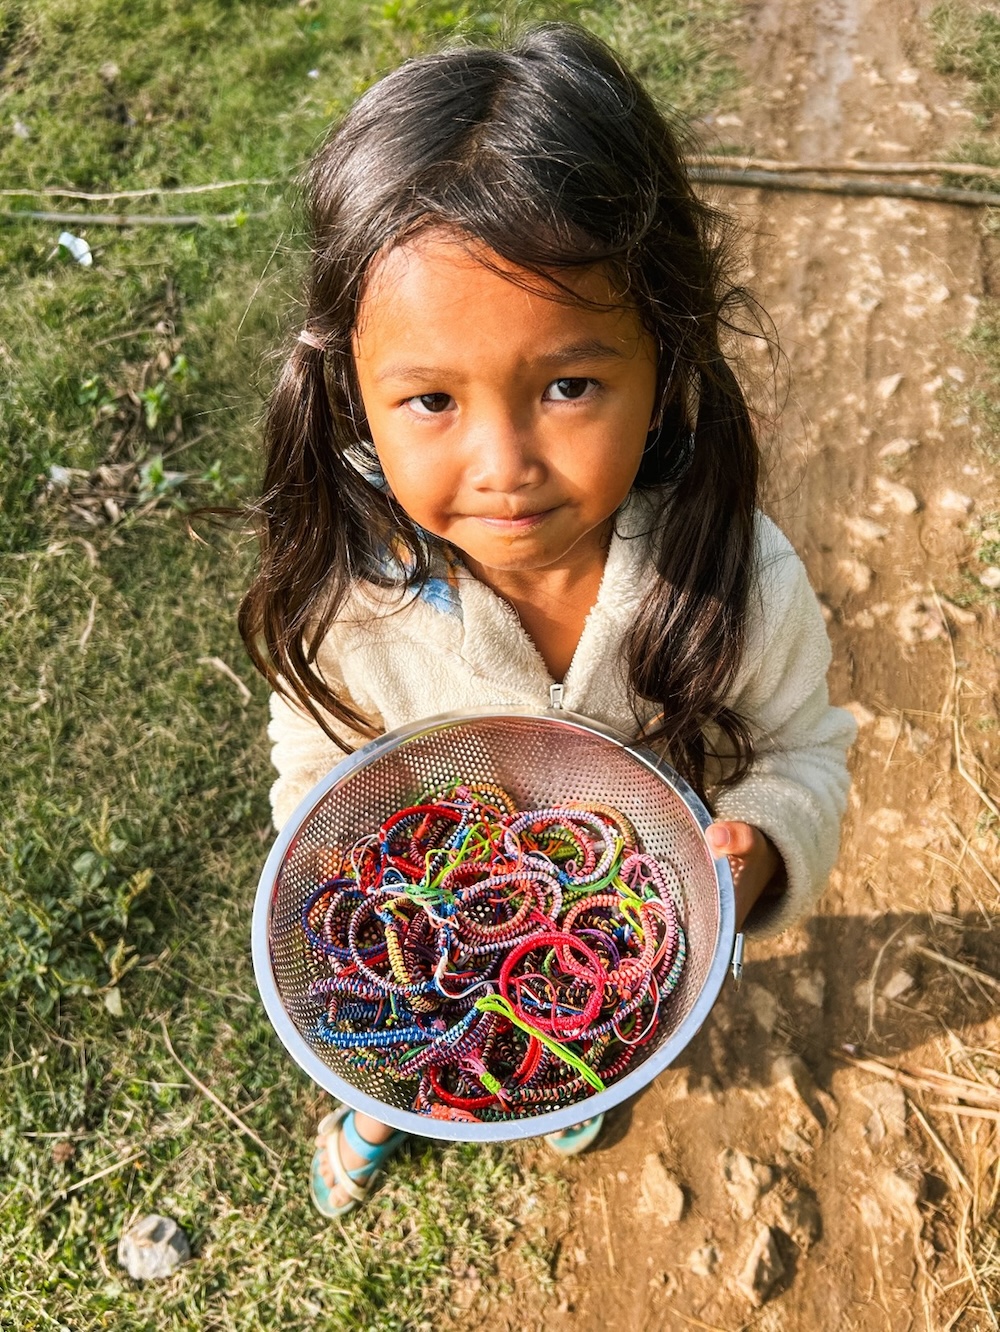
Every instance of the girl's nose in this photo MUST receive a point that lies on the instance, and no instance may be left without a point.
(503, 455)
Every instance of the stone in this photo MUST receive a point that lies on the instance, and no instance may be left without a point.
(746, 1180)
(790, 1074)
(811, 988)
(887, 1103)
(704, 1260)
(798, 1216)
(856, 575)
(990, 577)
(919, 620)
(862, 715)
(887, 820)
(865, 529)
(900, 497)
(897, 448)
(887, 386)
(953, 501)
(153, 1248)
(763, 1268)
(898, 984)
(660, 1195)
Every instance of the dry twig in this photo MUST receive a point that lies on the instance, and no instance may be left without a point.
(852, 167)
(205, 1091)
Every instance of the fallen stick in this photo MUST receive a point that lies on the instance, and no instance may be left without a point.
(853, 167)
(775, 180)
(205, 1091)
(960, 967)
(53, 192)
(128, 220)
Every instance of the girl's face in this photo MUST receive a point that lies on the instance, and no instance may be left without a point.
(507, 423)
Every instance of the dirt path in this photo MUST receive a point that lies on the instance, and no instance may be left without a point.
(878, 482)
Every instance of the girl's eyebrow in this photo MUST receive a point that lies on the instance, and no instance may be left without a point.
(591, 349)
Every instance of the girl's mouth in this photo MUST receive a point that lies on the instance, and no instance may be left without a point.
(521, 524)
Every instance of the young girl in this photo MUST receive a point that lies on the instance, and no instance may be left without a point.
(506, 451)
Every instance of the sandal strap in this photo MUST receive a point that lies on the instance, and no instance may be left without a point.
(370, 1152)
(340, 1171)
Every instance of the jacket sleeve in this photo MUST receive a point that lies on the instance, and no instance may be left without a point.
(796, 789)
(300, 750)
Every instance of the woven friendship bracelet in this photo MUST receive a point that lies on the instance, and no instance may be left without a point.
(499, 960)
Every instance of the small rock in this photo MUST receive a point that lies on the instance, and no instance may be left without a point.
(704, 1260)
(799, 1217)
(990, 577)
(953, 501)
(900, 497)
(21, 130)
(897, 448)
(746, 1180)
(898, 984)
(887, 1103)
(153, 1248)
(789, 1073)
(858, 576)
(659, 1193)
(904, 1188)
(887, 729)
(918, 741)
(919, 621)
(762, 1005)
(887, 386)
(865, 529)
(763, 1268)
(886, 820)
(108, 72)
(862, 715)
(811, 989)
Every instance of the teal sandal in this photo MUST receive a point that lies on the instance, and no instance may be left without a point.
(573, 1141)
(357, 1183)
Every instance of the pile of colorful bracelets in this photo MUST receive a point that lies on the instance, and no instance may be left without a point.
(503, 962)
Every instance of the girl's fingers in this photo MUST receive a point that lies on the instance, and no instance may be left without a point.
(732, 839)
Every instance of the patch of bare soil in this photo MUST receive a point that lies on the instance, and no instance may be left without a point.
(815, 1193)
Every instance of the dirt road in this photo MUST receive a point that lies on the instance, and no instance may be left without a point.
(876, 479)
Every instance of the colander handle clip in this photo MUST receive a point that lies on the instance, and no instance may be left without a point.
(737, 963)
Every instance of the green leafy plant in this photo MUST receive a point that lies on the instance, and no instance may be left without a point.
(68, 923)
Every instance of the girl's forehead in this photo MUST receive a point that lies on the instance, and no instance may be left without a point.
(444, 285)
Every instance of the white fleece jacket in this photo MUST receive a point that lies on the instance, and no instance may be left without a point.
(459, 645)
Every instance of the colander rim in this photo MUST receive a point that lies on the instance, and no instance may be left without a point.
(535, 1125)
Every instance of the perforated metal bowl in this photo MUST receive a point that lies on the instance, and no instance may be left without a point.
(541, 759)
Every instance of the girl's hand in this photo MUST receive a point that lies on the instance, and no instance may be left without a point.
(758, 870)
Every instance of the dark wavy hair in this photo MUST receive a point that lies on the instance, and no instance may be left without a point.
(552, 155)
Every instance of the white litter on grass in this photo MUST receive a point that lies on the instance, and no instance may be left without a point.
(77, 248)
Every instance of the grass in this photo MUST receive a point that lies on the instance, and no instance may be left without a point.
(133, 809)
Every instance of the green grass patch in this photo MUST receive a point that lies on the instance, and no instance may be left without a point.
(133, 799)
(968, 43)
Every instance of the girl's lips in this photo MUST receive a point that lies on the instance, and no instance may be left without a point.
(517, 524)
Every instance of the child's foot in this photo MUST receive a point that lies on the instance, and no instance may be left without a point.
(350, 1147)
(573, 1141)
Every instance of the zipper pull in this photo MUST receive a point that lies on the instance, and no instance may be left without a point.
(555, 696)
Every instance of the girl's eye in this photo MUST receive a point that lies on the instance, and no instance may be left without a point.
(430, 404)
(568, 390)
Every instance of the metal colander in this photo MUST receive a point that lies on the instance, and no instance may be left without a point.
(540, 759)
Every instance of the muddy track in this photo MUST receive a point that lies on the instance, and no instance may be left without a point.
(875, 476)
